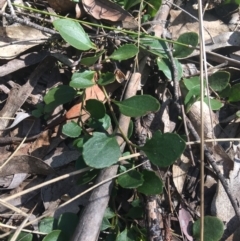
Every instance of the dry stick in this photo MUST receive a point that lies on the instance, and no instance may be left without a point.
(90, 221)
(216, 169)
(27, 23)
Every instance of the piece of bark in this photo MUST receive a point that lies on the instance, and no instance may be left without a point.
(90, 221)
(17, 97)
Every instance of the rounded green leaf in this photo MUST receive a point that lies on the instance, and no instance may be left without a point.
(213, 229)
(58, 96)
(101, 151)
(192, 82)
(190, 39)
(138, 105)
(238, 114)
(165, 65)
(163, 149)
(56, 235)
(89, 61)
(96, 108)
(234, 95)
(219, 80)
(214, 104)
(106, 224)
(127, 235)
(23, 236)
(100, 124)
(152, 184)
(126, 51)
(132, 179)
(106, 79)
(73, 33)
(154, 46)
(82, 80)
(71, 129)
(194, 92)
(67, 223)
(226, 92)
(46, 225)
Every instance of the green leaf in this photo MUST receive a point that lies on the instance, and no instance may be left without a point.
(72, 129)
(130, 129)
(129, 3)
(127, 235)
(214, 104)
(105, 224)
(194, 92)
(46, 225)
(132, 179)
(109, 213)
(153, 6)
(67, 223)
(234, 95)
(190, 39)
(154, 46)
(96, 108)
(213, 229)
(58, 96)
(238, 114)
(100, 124)
(87, 177)
(152, 184)
(101, 151)
(192, 82)
(137, 209)
(165, 65)
(82, 80)
(219, 80)
(89, 61)
(138, 105)
(23, 236)
(106, 79)
(126, 51)
(226, 92)
(73, 33)
(163, 149)
(56, 235)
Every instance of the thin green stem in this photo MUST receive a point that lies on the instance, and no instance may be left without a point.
(130, 144)
(105, 27)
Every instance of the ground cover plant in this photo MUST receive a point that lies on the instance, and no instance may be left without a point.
(106, 105)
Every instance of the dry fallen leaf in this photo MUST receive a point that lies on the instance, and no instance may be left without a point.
(27, 36)
(25, 164)
(105, 9)
(182, 23)
(62, 6)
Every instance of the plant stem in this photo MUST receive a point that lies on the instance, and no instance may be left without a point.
(106, 27)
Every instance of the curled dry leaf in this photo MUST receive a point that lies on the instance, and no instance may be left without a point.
(30, 37)
(211, 128)
(107, 10)
(25, 164)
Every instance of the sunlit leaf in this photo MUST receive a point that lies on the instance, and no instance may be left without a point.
(73, 33)
(138, 105)
(101, 151)
(126, 51)
(57, 96)
(71, 129)
(213, 229)
(83, 79)
(190, 39)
